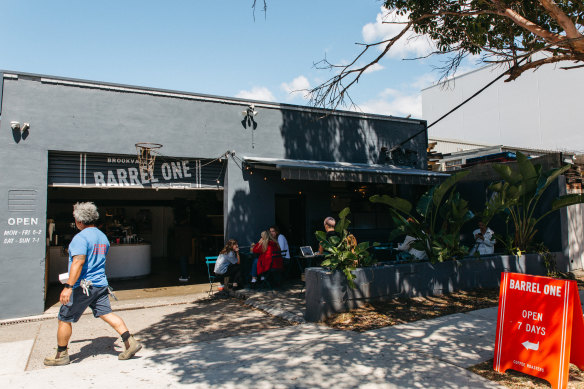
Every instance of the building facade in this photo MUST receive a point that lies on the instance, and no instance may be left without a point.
(231, 167)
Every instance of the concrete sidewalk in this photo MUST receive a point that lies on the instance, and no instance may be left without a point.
(216, 343)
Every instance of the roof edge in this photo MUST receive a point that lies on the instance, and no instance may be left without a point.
(75, 82)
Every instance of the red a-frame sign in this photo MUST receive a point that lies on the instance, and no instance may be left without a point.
(540, 327)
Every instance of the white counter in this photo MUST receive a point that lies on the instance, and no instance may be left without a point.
(123, 261)
(128, 260)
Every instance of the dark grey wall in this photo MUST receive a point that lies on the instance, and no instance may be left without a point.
(79, 116)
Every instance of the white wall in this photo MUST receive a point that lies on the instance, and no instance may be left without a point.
(576, 234)
(538, 110)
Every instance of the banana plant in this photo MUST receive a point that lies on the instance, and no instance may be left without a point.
(518, 195)
(436, 220)
(343, 252)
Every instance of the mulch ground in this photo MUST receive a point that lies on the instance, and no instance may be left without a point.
(515, 379)
(406, 310)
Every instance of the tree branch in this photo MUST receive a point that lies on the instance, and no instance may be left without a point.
(504, 34)
(516, 72)
(526, 24)
(333, 92)
(563, 20)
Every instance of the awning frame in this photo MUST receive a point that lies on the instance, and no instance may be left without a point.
(346, 171)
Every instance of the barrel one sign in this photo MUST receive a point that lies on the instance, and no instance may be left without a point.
(123, 171)
(540, 327)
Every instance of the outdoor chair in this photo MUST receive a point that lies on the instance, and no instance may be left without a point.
(210, 261)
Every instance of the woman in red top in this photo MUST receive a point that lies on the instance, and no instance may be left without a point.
(265, 248)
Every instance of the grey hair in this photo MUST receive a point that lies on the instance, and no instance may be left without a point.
(85, 213)
(330, 221)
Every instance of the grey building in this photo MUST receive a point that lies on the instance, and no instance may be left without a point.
(231, 168)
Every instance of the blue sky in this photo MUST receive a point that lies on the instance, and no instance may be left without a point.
(211, 47)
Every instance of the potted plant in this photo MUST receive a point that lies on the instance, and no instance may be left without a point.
(343, 251)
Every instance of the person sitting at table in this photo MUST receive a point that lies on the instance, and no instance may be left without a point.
(229, 264)
(265, 248)
(329, 228)
(484, 240)
(282, 241)
(406, 246)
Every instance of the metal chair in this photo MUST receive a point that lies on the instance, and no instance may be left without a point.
(212, 277)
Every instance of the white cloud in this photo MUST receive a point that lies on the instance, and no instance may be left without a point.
(374, 68)
(389, 92)
(409, 45)
(256, 93)
(425, 80)
(298, 87)
(392, 102)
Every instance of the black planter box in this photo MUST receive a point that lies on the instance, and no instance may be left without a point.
(327, 292)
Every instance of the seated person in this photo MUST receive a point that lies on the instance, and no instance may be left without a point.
(282, 241)
(485, 241)
(329, 227)
(228, 263)
(406, 246)
(265, 248)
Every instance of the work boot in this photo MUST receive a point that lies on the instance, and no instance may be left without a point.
(60, 359)
(134, 347)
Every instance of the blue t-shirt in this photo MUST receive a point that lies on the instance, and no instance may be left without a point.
(92, 243)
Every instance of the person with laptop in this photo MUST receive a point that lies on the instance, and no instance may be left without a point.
(329, 228)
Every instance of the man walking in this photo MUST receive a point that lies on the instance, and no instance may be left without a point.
(87, 286)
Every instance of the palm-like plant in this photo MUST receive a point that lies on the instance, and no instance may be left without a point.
(436, 222)
(518, 194)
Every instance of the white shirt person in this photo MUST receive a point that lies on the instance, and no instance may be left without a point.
(282, 241)
(484, 240)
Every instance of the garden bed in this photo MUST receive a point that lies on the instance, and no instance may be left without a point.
(406, 310)
(327, 292)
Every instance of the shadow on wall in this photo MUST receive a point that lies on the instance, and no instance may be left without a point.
(240, 219)
(312, 136)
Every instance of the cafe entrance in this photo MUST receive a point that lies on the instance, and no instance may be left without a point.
(290, 211)
(141, 222)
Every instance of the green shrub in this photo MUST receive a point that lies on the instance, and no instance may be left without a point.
(343, 252)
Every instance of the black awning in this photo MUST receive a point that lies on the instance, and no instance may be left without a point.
(346, 171)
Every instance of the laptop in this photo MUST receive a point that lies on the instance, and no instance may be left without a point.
(306, 251)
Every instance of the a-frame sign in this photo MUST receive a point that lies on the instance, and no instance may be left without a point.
(540, 327)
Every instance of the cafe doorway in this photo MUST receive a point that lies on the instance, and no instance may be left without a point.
(290, 215)
(140, 224)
